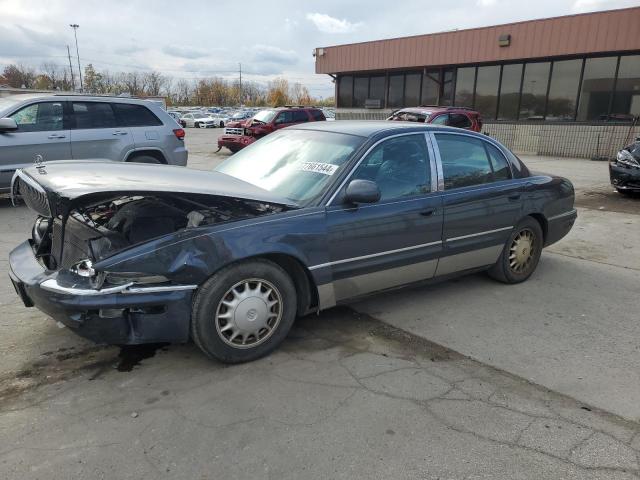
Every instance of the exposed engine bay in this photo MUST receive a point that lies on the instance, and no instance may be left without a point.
(100, 229)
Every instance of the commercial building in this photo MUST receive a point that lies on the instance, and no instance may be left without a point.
(558, 86)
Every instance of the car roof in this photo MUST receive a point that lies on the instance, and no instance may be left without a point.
(370, 128)
(79, 97)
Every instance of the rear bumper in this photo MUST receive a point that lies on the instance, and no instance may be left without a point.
(624, 178)
(236, 142)
(559, 225)
(124, 317)
(179, 156)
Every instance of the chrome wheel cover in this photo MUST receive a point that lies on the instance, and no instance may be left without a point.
(249, 313)
(522, 251)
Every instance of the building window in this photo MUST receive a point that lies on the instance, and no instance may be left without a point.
(534, 91)
(376, 88)
(446, 93)
(597, 88)
(626, 100)
(345, 91)
(430, 87)
(510, 92)
(563, 90)
(412, 89)
(465, 80)
(486, 100)
(360, 91)
(396, 91)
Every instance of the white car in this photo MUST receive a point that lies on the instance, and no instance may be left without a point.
(197, 120)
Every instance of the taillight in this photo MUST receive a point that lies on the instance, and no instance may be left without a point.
(179, 133)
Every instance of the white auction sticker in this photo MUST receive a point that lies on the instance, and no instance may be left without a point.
(324, 168)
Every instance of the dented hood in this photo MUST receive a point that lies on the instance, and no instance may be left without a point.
(71, 180)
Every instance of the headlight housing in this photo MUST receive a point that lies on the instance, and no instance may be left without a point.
(625, 157)
(98, 279)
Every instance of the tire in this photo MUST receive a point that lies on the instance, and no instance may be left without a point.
(521, 253)
(234, 149)
(197, 125)
(214, 326)
(144, 159)
(221, 124)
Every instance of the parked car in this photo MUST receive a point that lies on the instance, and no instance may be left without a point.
(238, 135)
(624, 170)
(309, 217)
(221, 119)
(459, 117)
(175, 115)
(197, 120)
(64, 127)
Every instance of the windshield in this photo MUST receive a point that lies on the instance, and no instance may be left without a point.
(239, 115)
(295, 164)
(265, 115)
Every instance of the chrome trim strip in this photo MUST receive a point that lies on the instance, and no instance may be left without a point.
(468, 260)
(436, 149)
(432, 163)
(52, 285)
(565, 214)
(364, 155)
(462, 237)
(160, 288)
(364, 257)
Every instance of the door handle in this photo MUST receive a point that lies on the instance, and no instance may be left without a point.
(51, 137)
(428, 213)
(119, 132)
(515, 196)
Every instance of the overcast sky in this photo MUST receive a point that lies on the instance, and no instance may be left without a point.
(193, 39)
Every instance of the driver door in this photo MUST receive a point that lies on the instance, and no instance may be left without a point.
(396, 240)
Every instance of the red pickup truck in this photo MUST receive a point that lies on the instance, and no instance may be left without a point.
(238, 135)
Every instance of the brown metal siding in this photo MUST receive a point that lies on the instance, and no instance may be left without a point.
(611, 31)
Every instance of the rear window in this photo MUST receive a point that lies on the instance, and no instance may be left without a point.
(130, 115)
(300, 116)
(317, 115)
(459, 120)
(92, 115)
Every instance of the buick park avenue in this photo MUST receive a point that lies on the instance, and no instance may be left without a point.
(306, 218)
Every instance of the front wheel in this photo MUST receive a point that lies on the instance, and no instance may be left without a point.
(244, 311)
(521, 253)
(197, 124)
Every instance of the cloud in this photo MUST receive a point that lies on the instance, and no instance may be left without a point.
(271, 54)
(328, 24)
(184, 52)
(486, 3)
(580, 6)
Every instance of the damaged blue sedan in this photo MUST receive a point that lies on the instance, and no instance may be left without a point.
(306, 218)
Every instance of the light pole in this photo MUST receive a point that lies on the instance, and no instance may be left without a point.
(75, 34)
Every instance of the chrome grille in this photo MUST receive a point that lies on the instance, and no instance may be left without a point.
(33, 195)
(233, 131)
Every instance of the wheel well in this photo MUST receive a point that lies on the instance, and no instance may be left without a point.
(152, 153)
(306, 289)
(538, 217)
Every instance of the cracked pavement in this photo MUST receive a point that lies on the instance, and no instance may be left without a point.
(347, 395)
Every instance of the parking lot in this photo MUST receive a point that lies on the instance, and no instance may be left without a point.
(465, 379)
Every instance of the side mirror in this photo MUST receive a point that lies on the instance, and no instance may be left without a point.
(8, 125)
(362, 191)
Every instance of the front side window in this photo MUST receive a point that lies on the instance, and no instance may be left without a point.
(399, 166)
(130, 115)
(464, 161)
(40, 117)
(295, 164)
(92, 115)
(284, 117)
(441, 119)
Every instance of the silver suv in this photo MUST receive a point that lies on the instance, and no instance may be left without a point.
(64, 127)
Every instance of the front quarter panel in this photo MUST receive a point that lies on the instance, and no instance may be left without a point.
(192, 256)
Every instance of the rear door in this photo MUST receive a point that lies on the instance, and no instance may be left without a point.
(147, 130)
(481, 201)
(95, 134)
(42, 130)
(396, 240)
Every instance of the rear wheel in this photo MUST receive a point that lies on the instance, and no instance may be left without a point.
(244, 311)
(521, 253)
(144, 159)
